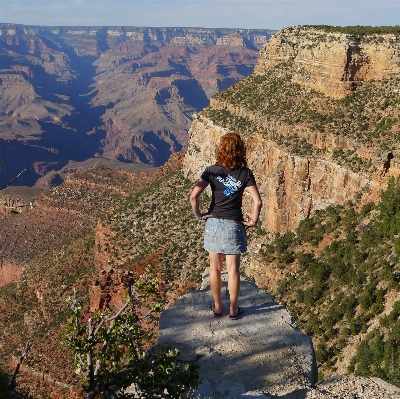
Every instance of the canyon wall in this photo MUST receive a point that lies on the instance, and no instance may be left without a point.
(297, 165)
(333, 63)
(292, 187)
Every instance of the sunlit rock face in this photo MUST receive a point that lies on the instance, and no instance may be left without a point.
(302, 153)
(292, 187)
(333, 63)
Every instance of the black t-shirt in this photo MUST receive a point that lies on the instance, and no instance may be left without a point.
(227, 188)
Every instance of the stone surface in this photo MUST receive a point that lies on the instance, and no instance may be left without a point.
(261, 355)
(264, 349)
(350, 387)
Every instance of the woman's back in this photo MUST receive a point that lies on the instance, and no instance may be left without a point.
(227, 190)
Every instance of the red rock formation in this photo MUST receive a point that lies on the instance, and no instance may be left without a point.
(110, 289)
(336, 66)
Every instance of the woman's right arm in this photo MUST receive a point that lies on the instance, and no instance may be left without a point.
(194, 199)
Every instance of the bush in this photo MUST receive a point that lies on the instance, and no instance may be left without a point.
(110, 353)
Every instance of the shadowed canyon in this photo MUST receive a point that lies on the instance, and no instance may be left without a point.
(125, 94)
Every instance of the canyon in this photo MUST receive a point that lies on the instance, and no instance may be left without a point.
(123, 94)
(320, 116)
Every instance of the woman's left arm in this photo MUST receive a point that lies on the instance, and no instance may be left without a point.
(257, 204)
(194, 199)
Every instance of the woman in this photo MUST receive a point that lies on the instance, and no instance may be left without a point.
(225, 232)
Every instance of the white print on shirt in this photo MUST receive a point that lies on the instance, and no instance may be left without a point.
(232, 185)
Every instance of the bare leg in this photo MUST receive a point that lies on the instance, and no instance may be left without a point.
(233, 264)
(216, 262)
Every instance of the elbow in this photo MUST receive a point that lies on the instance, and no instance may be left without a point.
(259, 203)
(193, 198)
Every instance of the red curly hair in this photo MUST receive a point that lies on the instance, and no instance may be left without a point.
(231, 151)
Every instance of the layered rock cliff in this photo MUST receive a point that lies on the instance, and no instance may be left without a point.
(333, 63)
(308, 150)
(292, 187)
(320, 116)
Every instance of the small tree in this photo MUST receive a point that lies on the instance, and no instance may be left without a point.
(110, 351)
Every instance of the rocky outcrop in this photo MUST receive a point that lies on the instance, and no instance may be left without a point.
(261, 355)
(263, 350)
(333, 63)
(110, 289)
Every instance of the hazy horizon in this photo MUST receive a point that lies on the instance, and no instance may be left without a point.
(239, 14)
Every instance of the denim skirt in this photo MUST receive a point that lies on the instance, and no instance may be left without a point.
(225, 236)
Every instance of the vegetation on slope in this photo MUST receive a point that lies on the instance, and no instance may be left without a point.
(52, 241)
(341, 268)
(35, 311)
(341, 275)
(369, 115)
(111, 350)
(152, 227)
(358, 30)
(159, 220)
(55, 243)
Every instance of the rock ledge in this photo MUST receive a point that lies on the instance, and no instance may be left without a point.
(263, 350)
(261, 355)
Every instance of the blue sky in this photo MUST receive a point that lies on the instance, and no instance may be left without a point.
(262, 14)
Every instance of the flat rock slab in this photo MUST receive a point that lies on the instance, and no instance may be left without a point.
(261, 353)
(346, 387)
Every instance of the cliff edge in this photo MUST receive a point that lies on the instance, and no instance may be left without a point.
(261, 355)
(263, 349)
